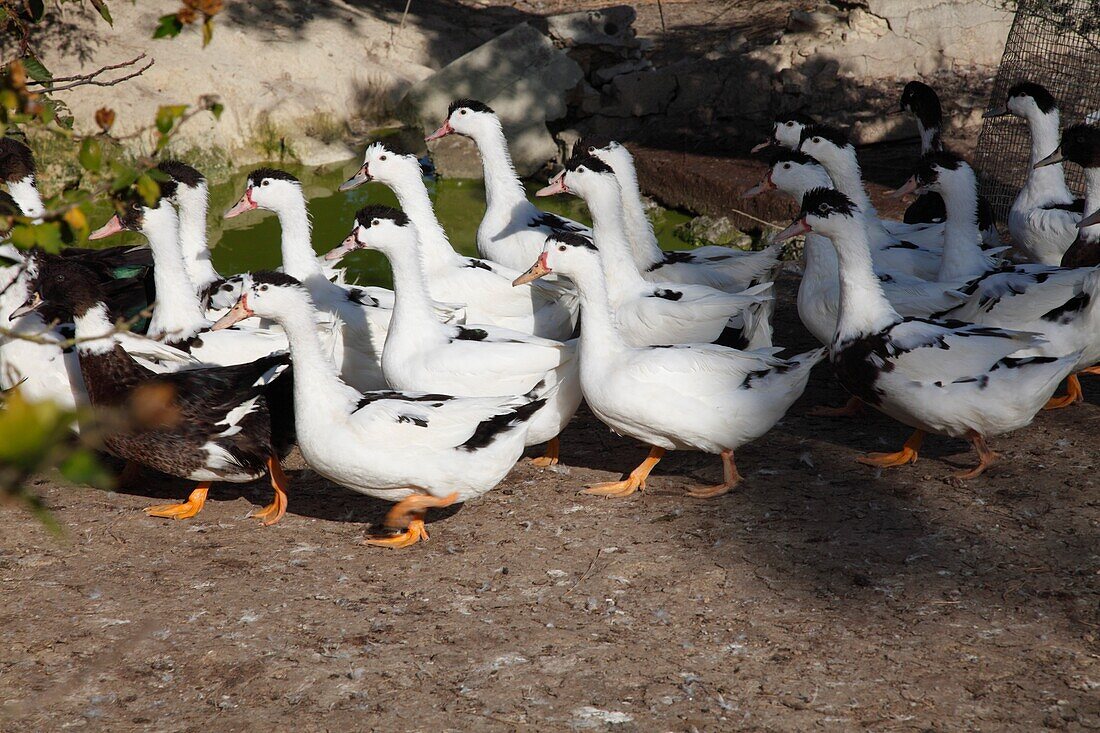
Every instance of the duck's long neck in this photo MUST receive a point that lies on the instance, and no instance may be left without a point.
(178, 313)
(412, 196)
(864, 308)
(962, 252)
(609, 230)
(502, 185)
(844, 169)
(95, 334)
(317, 382)
(639, 228)
(299, 259)
(1092, 203)
(599, 335)
(26, 195)
(412, 307)
(196, 254)
(1049, 182)
(930, 140)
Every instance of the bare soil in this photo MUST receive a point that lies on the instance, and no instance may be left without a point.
(819, 595)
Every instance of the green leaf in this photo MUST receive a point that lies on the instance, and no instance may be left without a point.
(22, 236)
(167, 116)
(91, 154)
(124, 176)
(83, 467)
(168, 26)
(148, 188)
(207, 31)
(216, 109)
(48, 236)
(36, 69)
(104, 11)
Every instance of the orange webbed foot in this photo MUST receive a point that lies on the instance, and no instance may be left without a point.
(185, 510)
(908, 454)
(415, 532)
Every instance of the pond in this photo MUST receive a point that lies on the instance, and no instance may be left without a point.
(251, 241)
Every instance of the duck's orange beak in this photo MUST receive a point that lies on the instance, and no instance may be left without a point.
(113, 226)
(539, 269)
(236, 314)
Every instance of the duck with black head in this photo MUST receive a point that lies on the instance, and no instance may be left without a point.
(1044, 215)
(420, 450)
(513, 229)
(923, 103)
(18, 171)
(205, 424)
(1081, 145)
(179, 316)
(945, 377)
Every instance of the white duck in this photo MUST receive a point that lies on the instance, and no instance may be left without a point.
(945, 377)
(818, 300)
(648, 312)
(513, 229)
(835, 152)
(1044, 215)
(923, 103)
(419, 450)
(423, 354)
(179, 318)
(483, 287)
(1060, 303)
(724, 268)
(682, 397)
(357, 318)
(786, 131)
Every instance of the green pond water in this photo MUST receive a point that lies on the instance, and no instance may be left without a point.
(251, 240)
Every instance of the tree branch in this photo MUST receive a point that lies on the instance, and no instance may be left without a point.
(91, 80)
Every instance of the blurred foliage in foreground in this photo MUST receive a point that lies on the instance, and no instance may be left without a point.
(35, 437)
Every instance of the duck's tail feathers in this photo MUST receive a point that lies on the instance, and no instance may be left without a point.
(488, 431)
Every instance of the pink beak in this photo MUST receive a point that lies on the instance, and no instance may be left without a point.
(349, 244)
(245, 204)
(798, 227)
(537, 270)
(1090, 220)
(760, 146)
(765, 185)
(237, 313)
(113, 226)
(907, 188)
(556, 185)
(444, 130)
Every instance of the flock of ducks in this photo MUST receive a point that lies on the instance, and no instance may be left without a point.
(428, 394)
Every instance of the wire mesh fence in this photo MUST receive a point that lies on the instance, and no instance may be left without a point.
(1055, 43)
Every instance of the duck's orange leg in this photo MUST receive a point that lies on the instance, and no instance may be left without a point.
(986, 458)
(409, 515)
(550, 458)
(274, 511)
(1073, 395)
(187, 509)
(907, 454)
(1091, 370)
(729, 473)
(852, 408)
(633, 482)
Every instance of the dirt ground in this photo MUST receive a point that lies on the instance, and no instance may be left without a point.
(819, 595)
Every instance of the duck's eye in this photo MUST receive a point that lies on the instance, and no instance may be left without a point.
(817, 139)
(592, 149)
(381, 157)
(561, 248)
(462, 111)
(790, 124)
(786, 166)
(581, 169)
(375, 222)
(262, 288)
(264, 182)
